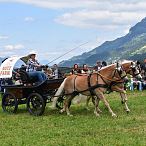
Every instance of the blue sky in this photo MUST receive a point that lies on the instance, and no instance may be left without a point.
(53, 27)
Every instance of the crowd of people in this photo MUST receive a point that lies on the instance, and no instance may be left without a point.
(35, 70)
(138, 84)
(87, 70)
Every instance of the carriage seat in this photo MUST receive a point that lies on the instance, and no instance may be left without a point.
(25, 78)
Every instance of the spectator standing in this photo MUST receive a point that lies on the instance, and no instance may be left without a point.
(134, 82)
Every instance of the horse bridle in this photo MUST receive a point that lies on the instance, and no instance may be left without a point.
(106, 85)
(133, 69)
(121, 73)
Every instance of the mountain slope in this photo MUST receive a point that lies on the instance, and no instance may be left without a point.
(130, 46)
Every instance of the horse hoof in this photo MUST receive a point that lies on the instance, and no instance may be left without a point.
(97, 115)
(70, 115)
(114, 115)
(128, 111)
(99, 111)
(61, 111)
(87, 109)
(122, 102)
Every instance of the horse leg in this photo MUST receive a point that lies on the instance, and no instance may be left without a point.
(101, 96)
(124, 100)
(87, 102)
(96, 106)
(99, 111)
(66, 105)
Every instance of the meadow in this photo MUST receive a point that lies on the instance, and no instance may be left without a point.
(83, 129)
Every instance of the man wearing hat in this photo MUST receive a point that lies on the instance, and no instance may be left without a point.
(33, 68)
(32, 63)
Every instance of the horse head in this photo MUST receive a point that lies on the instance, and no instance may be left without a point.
(133, 68)
(121, 72)
(114, 72)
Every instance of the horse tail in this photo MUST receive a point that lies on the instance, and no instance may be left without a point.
(58, 93)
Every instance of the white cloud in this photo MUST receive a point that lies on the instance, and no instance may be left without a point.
(57, 4)
(4, 37)
(105, 14)
(118, 5)
(99, 19)
(29, 19)
(13, 47)
(87, 14)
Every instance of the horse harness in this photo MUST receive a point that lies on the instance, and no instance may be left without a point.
(106, 85)
(134, 70)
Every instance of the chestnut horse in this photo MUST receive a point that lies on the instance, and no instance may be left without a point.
(131, 68)
(94, 85)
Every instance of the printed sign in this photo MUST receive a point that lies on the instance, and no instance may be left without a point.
(7, 66)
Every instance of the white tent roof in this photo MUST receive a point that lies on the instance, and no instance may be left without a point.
(7, 66)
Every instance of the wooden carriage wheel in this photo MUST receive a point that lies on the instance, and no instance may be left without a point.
(36, 104)
(9, 103)
(60, 102)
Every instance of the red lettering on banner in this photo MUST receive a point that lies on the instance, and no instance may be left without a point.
(5, 73)
(6, 68)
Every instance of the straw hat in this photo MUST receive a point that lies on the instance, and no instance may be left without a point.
(32, 53)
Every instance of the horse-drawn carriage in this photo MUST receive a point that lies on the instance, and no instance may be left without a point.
(34, 95)
(111, 77)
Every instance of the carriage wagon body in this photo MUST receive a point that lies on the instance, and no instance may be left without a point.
(34, 95)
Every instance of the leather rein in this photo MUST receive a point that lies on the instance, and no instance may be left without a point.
(106, 85)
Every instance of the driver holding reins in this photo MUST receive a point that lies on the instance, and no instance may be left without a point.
(33, 68)
(32, 63)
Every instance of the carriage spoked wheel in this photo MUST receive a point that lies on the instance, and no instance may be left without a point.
(60, 102)
(36, 104)
(9, 103)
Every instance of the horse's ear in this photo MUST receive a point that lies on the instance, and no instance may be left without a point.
(118, 66)
(138, 62)
(132, 64)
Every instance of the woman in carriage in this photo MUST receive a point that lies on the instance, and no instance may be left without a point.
(76, 69)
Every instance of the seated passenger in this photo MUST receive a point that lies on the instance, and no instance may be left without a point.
(32, 68)
(56, 72)
(85, 69)
(48, 71)
(98, 66)
(76, 69)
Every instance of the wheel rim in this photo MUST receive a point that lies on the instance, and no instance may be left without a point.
(9, 103)
(36, 104)
(60, 102)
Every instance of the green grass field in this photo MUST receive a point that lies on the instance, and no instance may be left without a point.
(83, 129)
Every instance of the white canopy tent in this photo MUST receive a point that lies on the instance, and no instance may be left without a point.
(7, 66)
